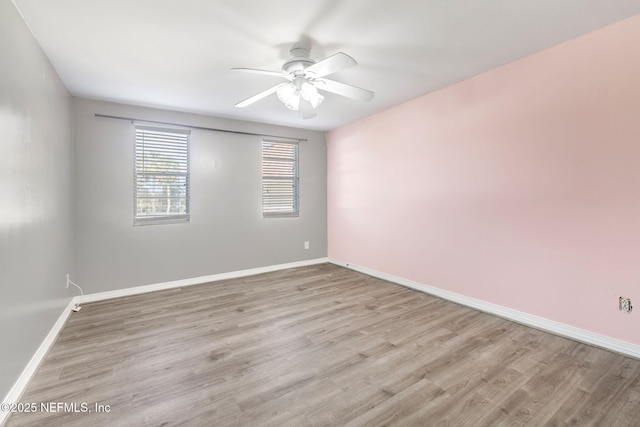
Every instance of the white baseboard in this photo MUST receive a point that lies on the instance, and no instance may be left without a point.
(196, 280)
(18, 388)
(582, 335)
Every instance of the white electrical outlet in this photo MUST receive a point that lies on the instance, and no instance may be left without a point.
(306, 245)
(625, 304)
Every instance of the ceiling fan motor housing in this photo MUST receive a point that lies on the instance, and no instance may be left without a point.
(299, 60)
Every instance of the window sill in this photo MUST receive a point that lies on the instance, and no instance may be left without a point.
(164, 219)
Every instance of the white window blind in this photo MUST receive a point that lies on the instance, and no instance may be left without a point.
(279, 178)
(161, 175)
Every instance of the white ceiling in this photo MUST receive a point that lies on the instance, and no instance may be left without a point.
(176, 54)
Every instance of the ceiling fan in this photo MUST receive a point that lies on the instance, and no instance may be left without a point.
(306, 78)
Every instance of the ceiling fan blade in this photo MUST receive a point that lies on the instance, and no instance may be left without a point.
(265, 72)
(343, 89)
(339, 61)
(257, 97)
(306, 109)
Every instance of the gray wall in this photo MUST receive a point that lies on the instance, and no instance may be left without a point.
(67, 207)
(226, 232)
(36, 232)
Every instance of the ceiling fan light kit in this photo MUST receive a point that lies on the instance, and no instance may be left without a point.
(305, 77)
(291, 93)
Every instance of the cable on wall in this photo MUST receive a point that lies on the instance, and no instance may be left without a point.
(77, 306)
(132, 120)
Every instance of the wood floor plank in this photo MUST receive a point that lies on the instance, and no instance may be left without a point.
(321, 346)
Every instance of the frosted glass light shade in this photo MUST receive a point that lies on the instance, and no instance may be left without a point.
(310, 93)
(290, 93)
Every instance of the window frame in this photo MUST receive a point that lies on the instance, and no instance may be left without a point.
(184, 157)
(276, 211)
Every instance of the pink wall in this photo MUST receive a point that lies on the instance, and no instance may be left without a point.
(520, 187)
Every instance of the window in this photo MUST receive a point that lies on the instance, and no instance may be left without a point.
(161, 175)
(279, 178)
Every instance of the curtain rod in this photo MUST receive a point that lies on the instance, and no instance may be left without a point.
(131, 119)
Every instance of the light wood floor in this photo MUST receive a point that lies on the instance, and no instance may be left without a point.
(322, 346)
